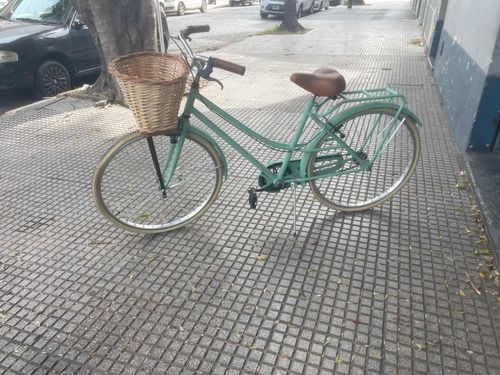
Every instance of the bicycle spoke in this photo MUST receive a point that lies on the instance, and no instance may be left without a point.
(127, 193)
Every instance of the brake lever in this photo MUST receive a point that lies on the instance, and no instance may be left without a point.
(215, 80)
(205, 73)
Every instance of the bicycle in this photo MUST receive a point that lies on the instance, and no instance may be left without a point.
(364, 150)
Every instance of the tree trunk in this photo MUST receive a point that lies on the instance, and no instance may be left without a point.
(290, 23)
(118, 27)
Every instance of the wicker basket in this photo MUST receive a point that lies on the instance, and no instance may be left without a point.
(153, 85)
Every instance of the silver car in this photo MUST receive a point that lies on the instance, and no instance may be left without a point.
(180, 6)
(276, 7)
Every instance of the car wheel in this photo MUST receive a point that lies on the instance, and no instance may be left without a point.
(203, 8)
(299, 13)
(181, 9)
(51, 78)
(263, 15)
(231, 3)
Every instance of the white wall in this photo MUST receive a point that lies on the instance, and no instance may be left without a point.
(475, 25)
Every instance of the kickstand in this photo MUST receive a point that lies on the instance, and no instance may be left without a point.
(294, 187)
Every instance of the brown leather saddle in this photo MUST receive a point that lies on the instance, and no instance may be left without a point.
(322, 82)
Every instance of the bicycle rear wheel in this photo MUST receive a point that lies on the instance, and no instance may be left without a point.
(127, 191)
(390, 172)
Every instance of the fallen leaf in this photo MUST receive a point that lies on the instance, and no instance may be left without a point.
(481, 273)
(421, 347)
(458, 312)
(327, 341)
(261, 257)
(253, 347)
(376, 355)
(462, 293)
(483, 252)
(338, 360)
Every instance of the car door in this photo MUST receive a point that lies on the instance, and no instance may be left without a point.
(192, 4)
(86, 56)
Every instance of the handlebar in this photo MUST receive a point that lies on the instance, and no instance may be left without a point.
(193, 29)
(218, 63)
(229, 66)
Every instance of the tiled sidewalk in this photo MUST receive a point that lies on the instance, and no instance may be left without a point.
(377, 292)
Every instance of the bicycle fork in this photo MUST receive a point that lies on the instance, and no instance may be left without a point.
(156, 164)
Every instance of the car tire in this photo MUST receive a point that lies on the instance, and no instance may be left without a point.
(263, 15)
(181, 9)
(203, 8)
(51, 78)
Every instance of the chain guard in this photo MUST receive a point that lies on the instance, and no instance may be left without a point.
(274, 167)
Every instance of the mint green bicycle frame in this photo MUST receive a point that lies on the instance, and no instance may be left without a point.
(365, 102)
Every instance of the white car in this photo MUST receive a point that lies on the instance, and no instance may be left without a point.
(180, 6)
(276, 7)
(321, 4)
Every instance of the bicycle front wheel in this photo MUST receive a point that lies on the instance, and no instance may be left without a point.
(127, 191)
(363, 132)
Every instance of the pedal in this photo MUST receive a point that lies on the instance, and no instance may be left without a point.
(252, 198)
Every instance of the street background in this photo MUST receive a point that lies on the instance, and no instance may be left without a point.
(378, 292)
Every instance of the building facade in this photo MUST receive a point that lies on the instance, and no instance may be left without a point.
(463, 45)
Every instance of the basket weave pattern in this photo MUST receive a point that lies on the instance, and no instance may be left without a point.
(153, 85)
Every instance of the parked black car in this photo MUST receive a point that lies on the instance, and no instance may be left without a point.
(44, 45)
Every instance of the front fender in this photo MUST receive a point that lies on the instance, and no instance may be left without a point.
(201, 133)
(342, 116)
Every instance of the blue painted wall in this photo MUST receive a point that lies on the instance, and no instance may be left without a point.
(467, 72)
(460, 82)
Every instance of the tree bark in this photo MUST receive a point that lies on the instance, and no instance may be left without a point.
(290, 23)
(118, 27)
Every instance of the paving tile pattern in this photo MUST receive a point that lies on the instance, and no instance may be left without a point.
(376, 292)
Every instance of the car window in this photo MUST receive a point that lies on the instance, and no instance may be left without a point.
(50, 11)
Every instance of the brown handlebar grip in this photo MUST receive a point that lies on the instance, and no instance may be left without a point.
(229, 66)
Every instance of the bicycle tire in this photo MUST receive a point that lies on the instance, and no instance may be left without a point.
(126, 190)
(389, 173)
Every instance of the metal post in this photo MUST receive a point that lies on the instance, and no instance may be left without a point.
(159, 26)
